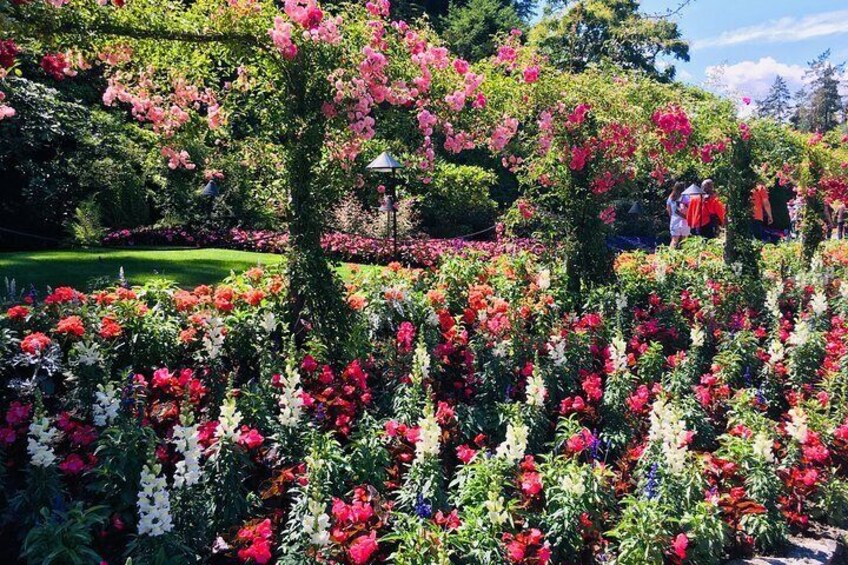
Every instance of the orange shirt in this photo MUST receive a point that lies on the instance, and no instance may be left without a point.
(700, 210)
(760, 203)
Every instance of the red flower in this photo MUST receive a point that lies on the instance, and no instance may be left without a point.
(110, 328)
(72, 325)
(8, 51)
(72, 465)
(63, 295)
(17, 313)
(250, 438)
(405, 337)
(363, 548)
(35, 343)
(679, 545)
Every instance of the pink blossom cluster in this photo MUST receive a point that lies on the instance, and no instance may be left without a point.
(674, 127)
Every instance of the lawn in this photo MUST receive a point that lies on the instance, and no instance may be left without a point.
(81, 268)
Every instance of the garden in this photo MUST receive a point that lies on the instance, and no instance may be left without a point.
(297, 283)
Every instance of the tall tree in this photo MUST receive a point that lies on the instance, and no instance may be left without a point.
(778, 102)
(591, 32)
(470, 29)
(821, 109)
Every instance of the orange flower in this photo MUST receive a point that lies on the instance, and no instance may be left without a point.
(72, 325)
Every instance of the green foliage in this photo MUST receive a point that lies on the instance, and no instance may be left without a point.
(64, 537)
(471, 28)
(457, 201)
(595, 32)
(86, 227)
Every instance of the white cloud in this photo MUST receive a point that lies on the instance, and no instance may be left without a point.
(783, 30)
(753, 78)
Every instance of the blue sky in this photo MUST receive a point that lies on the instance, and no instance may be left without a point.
(756, 39)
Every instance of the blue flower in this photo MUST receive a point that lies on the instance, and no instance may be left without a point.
(423, 509)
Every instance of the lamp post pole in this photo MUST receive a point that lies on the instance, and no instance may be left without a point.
(385, 163)
(394, 217)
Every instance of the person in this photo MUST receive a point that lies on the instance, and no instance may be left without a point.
(794, 208)
(676, 209)
(840, 219)
(705, 213)
(762, 212)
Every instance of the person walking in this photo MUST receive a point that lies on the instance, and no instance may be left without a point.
(839, 207)
(761, 208)
(676, 209)
(705, 213)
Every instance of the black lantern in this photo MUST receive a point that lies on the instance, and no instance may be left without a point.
(636, 209)
(211, 190)
(385, 163)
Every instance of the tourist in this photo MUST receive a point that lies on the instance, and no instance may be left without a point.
(839, 208)
(762, 213)
(676, 207)
(705, 213)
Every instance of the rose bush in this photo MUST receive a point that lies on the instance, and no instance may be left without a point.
(475, 414)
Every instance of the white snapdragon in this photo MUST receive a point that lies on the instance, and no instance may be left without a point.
(229, 422)
(420, 362)
(773, 301)
(698, 337)
(317, 524)
(776, 352)
(556, 350)
(40, 442)
(618, 354)
(762, 448)
(290, 397)
(536, 390)
(429, 436)
(501, 349)
(572, 483)
(668, 429)
(187, 443)
(495, 509)
(543, 281)
(801, 334)
(154, 504)
(269, 322)
(107, 403)
(818, 304)
(621, 302)
(515, 443)
(213, 341)
(797, 427)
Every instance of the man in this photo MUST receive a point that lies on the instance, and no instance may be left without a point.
(762, 212)
(706, 212)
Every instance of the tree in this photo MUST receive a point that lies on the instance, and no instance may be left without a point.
(777, 103)
(471, 29)
(594, 32)
(820, 104)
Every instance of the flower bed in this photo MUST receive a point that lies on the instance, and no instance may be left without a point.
(422, 252)
(682, 415)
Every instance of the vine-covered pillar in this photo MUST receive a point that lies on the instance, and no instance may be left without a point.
(812, 212)
(316, 301)
(741, 179)
(589, 259)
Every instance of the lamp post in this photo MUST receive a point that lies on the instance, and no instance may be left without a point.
(385, 163)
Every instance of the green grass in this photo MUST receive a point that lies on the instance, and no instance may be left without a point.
(81, 268)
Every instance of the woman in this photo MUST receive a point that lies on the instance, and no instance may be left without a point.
(676, 208)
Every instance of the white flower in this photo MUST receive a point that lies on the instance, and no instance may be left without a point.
(819, 303)
(229, 421)
(801, 333)
(107, 403)
(290, 399)
(154, 504)
(188, 470)
(40, 443)
(87, 354)
(669, 430)
(556, 350)
(797, 426)
(495, 509)
(621, 302)
(618, 354)
(501, 349)
(429, 436)
(543, 281)
(316, 524)
(213, 341)
(515, 443)
(773, 301)
(269, 322)
(698, 337)
(763, 448)
(776, 352)
(420, 363)
(572, 483)
(536, 390)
